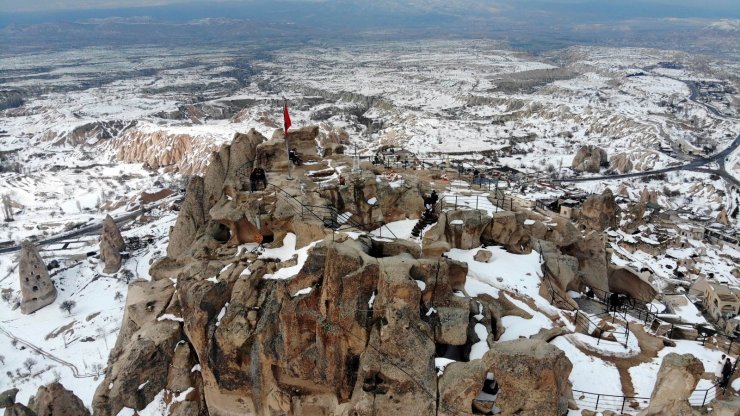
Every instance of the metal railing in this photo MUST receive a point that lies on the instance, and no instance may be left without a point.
(615, 403)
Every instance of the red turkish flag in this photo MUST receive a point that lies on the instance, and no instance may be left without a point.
(286, 118)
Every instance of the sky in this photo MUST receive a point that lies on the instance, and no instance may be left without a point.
(726, 8)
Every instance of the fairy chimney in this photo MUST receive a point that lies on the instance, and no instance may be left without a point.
(37, 289)
(111, 245)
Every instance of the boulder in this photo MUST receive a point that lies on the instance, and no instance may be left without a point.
(483, 256)
(599, 212)
(532, 376)
(459, 385)
(111, 245)
(677, 379)
(627, 281)
(7, 398)
(54, 400)
(589, 159)
(37, 289)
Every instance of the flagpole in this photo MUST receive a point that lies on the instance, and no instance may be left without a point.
(287, 147)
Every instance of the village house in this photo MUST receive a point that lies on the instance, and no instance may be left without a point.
(721, 302)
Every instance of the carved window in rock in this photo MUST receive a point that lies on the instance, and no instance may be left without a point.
(35, 288)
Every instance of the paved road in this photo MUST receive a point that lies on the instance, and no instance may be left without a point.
(93, 229)
(696, 165)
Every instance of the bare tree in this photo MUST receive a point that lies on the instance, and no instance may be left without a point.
(2, 359)
(67, 306)
(29, 363)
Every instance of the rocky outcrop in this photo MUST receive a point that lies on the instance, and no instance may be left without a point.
(589, 159)
(726, 407)
(620, 163)
(677, 379)
(37, 289)
(227, 174)
(111, 245)
(18, 410)
(54, 400)
(629, 282)
(7, 398)
(590, 253)
(139, 363)
(372, 200)
(599, 212)
(455, 229)
(459, 386)
(648, 196)
(191, 218)
(532, 376)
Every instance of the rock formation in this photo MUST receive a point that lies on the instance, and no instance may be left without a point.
(455, 229)
(599, 212)
(144, 351)
(532, 376)
(37, 289)
(54, 400)
(7, 398)
(727, 407)
(621, 163)
(589, 159)
(111, 245)
(677, 379)
(354, 331)
(627, 281)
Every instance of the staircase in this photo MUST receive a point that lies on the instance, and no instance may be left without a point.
(428, 218)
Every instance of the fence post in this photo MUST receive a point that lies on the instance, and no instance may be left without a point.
(627, 333)
(624, 400)
(598, 396)
(705, 398)
(455, 202)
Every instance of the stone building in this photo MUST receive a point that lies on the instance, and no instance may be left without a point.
(37, 289)
(721, 302)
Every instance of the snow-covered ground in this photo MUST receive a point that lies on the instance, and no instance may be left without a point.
(165, 109)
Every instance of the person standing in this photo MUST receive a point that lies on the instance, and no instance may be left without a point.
(718, 368)
(253, 177)
(726, 373)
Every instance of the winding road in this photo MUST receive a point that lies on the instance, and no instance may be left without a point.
(94, 228)
(695, 165)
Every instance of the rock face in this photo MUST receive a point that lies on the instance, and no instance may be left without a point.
(677, 379)
(54, 400)
(456, 229)
(143, 351)
(532, 376)
(621, 163)
(600, 212)
(37, 289)
(727, 407)
(627, 281)
(589, 159)
(111, 245)
(18, 410)
(227, 171)
(389, 202)
(7, 398)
